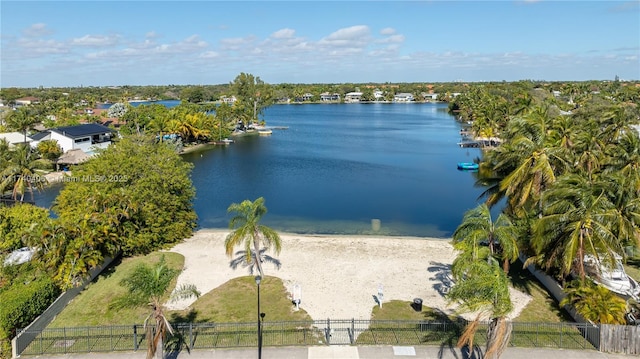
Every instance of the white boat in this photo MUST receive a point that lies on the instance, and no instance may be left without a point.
(264, 132)
(613, 277)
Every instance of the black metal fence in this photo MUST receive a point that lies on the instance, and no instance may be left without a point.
(304, 333)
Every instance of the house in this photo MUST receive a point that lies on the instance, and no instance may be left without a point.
(352, 97)
(26, 101)
(378, 95)
(86, 137)
(14, 138)
(430, 96)
(403, 97)
(39, 137)
(229, 100)
(307, 97)
(327, 97)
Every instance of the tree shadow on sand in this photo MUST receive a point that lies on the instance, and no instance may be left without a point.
(241, 260)
(442, 276)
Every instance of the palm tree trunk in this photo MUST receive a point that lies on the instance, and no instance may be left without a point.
(498, 335)
(256, 248)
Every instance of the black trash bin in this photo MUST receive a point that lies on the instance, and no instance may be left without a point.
(417, 304)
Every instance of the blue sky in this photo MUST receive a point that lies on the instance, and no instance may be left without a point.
(100, 43)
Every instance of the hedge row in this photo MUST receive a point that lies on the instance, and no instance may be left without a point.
(22, 303)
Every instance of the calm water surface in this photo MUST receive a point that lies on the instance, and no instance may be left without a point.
(338, 167)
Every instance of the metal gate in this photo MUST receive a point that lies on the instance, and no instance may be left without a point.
(342, 331)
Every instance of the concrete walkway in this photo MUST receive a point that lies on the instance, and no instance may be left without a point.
(350, 352)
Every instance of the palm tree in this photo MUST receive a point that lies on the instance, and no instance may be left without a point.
(247, 230)
(241, 260)
(576, 221)
(20, 172)
(478, 228)
(148, 286)
(595, 303)
(481, 285)
(21, 120)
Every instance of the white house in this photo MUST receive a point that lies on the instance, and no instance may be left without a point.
(378, 95)
(353, 96)
(325, 96)
(403, 97)
(39, 137)
(14, 138)
(87, 137)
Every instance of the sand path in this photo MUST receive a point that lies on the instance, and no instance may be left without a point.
(338, 275)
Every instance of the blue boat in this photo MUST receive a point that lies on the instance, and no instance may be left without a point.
(468, 166)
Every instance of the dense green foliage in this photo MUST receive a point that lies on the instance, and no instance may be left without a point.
(23, 302)
(136, 190)
(568, 166)
(595, 302)
(19, 225)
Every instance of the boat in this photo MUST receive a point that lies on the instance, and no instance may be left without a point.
(612, 277)
(264, 132)
(469, 166)
(224, 141)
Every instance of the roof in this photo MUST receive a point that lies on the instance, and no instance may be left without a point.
(14, 137)
(82, 130)
(73, 157)
(40, 135)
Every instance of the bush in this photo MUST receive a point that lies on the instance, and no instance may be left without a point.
(22, 303)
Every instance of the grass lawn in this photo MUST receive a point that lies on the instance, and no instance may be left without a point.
(633, 268)
(91, 306)
(542, 307)
(234, 301)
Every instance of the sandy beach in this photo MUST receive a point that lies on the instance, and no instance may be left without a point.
(338, 275)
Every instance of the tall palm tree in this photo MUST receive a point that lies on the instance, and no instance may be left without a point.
(247, 230)
(478, 228)
(21, 120)
(576, 221)
(20, 172)
(149, 286)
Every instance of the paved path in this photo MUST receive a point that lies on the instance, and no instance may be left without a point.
(351, 352)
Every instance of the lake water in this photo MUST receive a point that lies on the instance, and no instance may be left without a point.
(338, 167)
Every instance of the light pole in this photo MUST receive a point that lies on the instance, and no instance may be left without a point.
(258, 279)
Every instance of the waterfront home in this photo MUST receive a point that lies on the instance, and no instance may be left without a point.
(352, 97)
(378, 95)
(403, 97)
(39, 137)
(86, 137)
(328, 97)
(307, 97)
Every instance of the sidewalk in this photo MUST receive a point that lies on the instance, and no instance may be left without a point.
(350, 352)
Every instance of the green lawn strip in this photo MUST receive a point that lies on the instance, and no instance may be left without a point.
(397, 322)
(632, 268)
(91, 306)
(233, 309)
(542, 307)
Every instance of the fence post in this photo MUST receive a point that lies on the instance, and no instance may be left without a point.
(353, 331)
(190, 335)
(135, 337)
(327, 333)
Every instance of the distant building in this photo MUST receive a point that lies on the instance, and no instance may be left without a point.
(352, 97)
(26, 101)
(328, 97)
(378, 95)
(229, 100)
(403, 97)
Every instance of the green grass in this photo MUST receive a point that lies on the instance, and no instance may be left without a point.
(633, 268)
(234, 301)
(91, 306)
(542, 307)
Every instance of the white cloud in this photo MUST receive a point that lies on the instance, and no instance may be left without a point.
(37, 30)
(283, 34)
(393, 39)
(354, 36)
(209, 55)
(388, 31)
(95, 40)
(151, 35)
